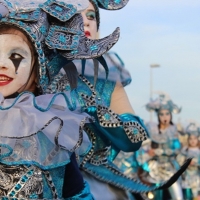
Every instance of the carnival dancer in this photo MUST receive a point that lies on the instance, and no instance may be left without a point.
(100, 171)
(191, 177)
(44, 113)
(42, 133)
(158, 159)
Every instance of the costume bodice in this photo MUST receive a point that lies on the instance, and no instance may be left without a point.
(103, 88)
(165, 142)
(38, 136)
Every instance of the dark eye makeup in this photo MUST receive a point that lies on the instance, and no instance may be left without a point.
(91, 15)
(16, 59)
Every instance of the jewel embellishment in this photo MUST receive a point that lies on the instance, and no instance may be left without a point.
(134, 131)
(107, 118)
(59, 10)
(62, 38)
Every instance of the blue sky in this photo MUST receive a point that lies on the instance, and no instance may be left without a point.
(165, 32)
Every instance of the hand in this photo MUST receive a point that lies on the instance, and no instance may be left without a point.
(193, 162)
(151, 152)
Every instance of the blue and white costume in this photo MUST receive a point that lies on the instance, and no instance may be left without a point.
(42, 136)
(191, 177)
(164, 143)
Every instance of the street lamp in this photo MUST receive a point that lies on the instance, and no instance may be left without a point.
(151, 84)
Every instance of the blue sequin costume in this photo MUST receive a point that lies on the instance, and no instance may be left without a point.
(109, 136)
(191, 177)
(35, 162)
(60, 123)
(157, 158)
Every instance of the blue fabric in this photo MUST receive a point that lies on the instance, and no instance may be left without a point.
(176, 144)
(103, 88)
(116, 137)
(109, 176)
(57, 176)
(73, 181)
(83, 195)
(188, 194)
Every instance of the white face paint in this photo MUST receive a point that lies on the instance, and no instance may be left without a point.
(165, 117)
(15, 64)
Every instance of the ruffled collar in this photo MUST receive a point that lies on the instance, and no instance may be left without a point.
(27, 116)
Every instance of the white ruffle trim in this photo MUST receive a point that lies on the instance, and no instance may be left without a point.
(44, 137)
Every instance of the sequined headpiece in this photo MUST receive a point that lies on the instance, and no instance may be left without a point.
(108, 5)
(163, 102)
(193, 129)
(56, 30)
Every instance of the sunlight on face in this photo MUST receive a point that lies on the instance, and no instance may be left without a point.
(90, 23)
(193, 141)
(15, 63)
(165, 117)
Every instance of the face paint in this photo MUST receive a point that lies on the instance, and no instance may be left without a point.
(16, 59)
(15, 64)
(165, 117)
(90, 23)
(91, 15)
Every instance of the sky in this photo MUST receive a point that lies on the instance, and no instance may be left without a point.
(163, 32)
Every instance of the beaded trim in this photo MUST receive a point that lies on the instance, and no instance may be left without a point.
(20, 184)
(89, 100)
(78, 144)
(51, 185)
(91, 152)
(29, 184)
(151, 187)
(111, 181)
(118, 173)
(135, 131)
(100, 156)
(108, 119)
(47, 124)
